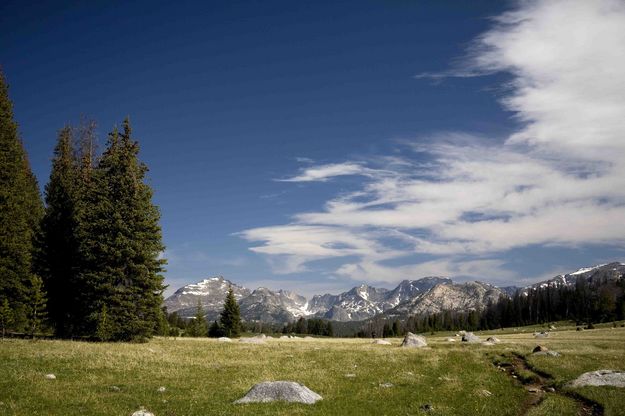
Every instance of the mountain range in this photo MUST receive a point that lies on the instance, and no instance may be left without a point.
(410, 297)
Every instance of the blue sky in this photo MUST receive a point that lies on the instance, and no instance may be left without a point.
(316, 146)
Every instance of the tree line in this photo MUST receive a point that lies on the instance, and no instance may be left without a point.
(87, 263)
(588, 301)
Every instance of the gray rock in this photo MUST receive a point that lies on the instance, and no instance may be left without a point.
(161, 389)
(114, 388)
(600, 378)
(224, 339)
(142, 412)
(471, 338)
(548, 353)
(50, 377)
(386, 385)
(493, 340)
(414, 341)
(381, 342)
(541, 334)
(286, 391)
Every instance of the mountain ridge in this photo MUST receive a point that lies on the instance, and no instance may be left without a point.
(430, 294)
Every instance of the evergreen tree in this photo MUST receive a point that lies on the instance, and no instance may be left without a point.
(104, 330)
(59, 257)
(120, 243)
(215, 330)
(6, 316)
(197, 325)
(20, 213)
(37, 313)
(230, 318)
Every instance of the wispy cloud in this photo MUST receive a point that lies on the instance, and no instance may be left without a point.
(559, 180)
(322, 173)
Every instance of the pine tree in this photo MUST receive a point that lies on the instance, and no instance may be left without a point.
(215, 330)
(37, 313)
(104, 330)
(230, 318)
(59, 257)
(20, 213)
(6, 316)
(197, 325)
(121, 243)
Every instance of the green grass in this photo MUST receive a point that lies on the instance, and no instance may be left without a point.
(204, 377)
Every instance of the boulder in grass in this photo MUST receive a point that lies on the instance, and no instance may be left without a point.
(470, 337)
(414, 341)
(283, 391)
(142, 412)
(494, 340)
(540, 348)
(600, 378)
(224, 339)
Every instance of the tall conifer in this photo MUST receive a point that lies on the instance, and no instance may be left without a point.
(59, 259)
(20, 213)
(230, 318)
(122, 243)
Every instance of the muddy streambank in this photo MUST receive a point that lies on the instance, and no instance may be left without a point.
(539, 384)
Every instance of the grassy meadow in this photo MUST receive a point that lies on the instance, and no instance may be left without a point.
(204, 377)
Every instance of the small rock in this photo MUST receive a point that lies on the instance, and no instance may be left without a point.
(50, 377)
(161, 389)
(142, 412)
(470, 337)
(287, 391)
(552, 327)
(114, 388)
(413, 341)
(541, 334)
(484, 393)
(550, 389)
(540, 348)
(494, 340)
(385, 385)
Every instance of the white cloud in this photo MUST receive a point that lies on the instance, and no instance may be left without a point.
(558, 180)
(323, 173)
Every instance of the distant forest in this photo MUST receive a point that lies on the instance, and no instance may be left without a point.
(586, 302)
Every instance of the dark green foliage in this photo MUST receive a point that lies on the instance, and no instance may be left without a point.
(20, 213)
(230, 318)
(6, 316)
(59, 261)
(120, 244)
(197, 325)
(104, 330)
(310, 327)
(215, 330)
(37, 313)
